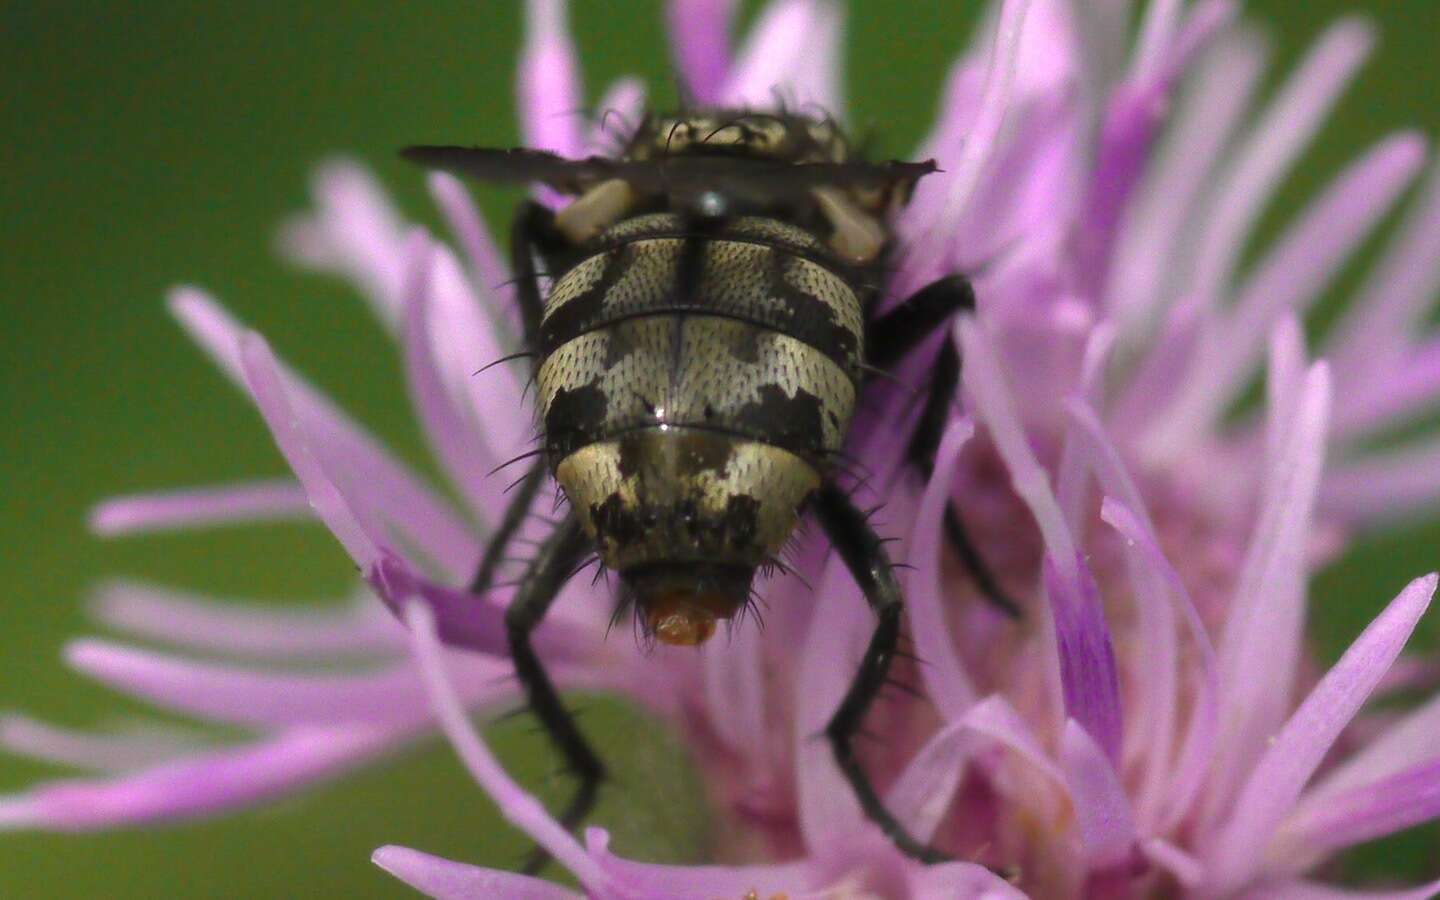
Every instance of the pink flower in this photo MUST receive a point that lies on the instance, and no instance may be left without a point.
(1152, 726)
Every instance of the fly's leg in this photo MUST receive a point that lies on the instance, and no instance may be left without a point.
(548, 572)
(865, 557)
(944, 384)
(533, 232)
(515, 515)
(898, 332)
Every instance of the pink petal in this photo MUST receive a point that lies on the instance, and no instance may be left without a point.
(1309, 890)
(700, 45)
(1291, 277)
(1181, 866)
(1260, 644)
(944, 675)
(446, 880)
(121, 751)
(332, 506)
(257, 631)
(619, 113)
(464, 339)
(1283, 129)
(202, 785)
(1296, 751)
(1394, 298)
(734, 677)
(1407, 743)
(1400, 385)
(455, 443)
(840, 628)
(477, 623)
(960, 881)
(923, 264)
(1102, 811)
(997, 720)
(255, 697)
(923, 792)
(517, 807)
(794, 48)
(1136, 111)
(255, 501)
(487, 269)
(326, 444)
(1087, 658)
(1177, 175)
(1364, 813)
(354, 232)
(1386, 485)
(549, 93)
(649, 880)
(1187, 776)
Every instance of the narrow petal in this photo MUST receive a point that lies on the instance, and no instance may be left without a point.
(1275, 783)
(446, 880)
(700, 45)
(996, 719)
(332, 506)
(1087, 658)
(1190, 769)
(1281, 132)
(1386, 485)
(120, 751)
(549, 93)
(925, 597)
(380, 492)
(455, 443)
(1364, 813)
(793, 49)
(1395, 295)
(1309, 890)
(1400, 385)
(1182, 866)
(252, 630)
(735, 685)
(960, 881)
(1408, 743)
(241, 695)
(1102, 811)
(647, 880)
(255, 501)
(487, 268)
(620, 110)
(1290, 278)
(518, 807)
(203, 785)
(922, 794)
(1210, 110)
(923, 264)
(354, 232)
(1260, 644)
(840, 628)
(473, 622)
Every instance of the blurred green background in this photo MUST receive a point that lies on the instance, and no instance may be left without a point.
(150, 143)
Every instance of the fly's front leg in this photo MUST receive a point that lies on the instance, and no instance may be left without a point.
(547, 574)
(864, 555)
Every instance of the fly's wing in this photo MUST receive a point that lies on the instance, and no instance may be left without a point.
(667, 174)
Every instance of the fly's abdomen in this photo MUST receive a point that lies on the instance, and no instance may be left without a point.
(695, 387)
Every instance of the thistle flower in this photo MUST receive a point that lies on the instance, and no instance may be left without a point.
(1153, 726)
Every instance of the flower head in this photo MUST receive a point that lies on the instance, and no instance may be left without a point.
(1151, 725)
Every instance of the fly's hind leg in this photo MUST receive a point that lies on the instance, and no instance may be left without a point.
(547, 574)
(865, 557)
(898, 332)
